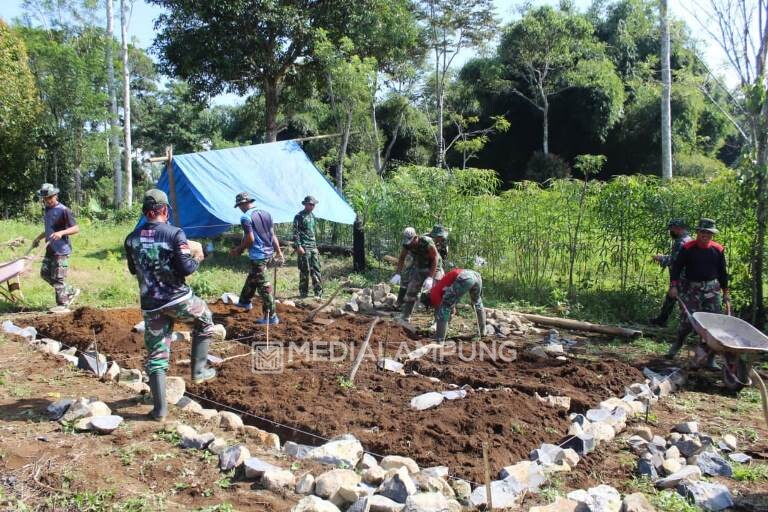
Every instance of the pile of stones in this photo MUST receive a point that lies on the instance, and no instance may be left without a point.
(369, 300)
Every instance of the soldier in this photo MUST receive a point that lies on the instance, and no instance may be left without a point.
(160, 257)
(447, 292)
(679, 233)
(262, 244)
(306, 246)
(59, 222)
(426, 264)
(440, 236)
(706, 285)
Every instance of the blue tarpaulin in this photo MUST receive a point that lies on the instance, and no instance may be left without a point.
(278, 175)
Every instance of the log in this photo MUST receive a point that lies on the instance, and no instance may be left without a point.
(576, 325)
(363, 347)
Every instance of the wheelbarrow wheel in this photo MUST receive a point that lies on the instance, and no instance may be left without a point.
(735, 373)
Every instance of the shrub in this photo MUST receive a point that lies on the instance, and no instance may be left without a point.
(543, 167)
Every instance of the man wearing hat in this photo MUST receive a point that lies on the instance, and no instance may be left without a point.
(447, 292)
(160, 257)
(262, 244)
(705, 287)
(305, 243)
(59, 225)
(439, 236)
(426, 265)
(680, 237)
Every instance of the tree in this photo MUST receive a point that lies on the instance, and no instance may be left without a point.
(452, 26)
(666, 86)
(127, 149)
(549, 51)
(114, 122)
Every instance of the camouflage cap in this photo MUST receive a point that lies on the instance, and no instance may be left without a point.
(309, 200)
(47, 190)
(676, 223)
(154, 197)
(707, 225)
(408, 235)
(243, 197)
(438, 231)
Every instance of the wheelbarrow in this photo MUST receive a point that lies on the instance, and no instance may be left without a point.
(738, 342)
(10, 272)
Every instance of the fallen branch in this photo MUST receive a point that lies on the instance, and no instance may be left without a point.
(315, 311)
(577, 325)
(361, 354)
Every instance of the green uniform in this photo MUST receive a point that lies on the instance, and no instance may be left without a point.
(304, 224)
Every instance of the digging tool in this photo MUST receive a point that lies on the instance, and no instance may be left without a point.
(312, 314)
(363, 347)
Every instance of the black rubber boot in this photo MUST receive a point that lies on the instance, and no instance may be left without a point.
(401, 295)
(406, 311)
(480, 313)
(200, 370)
(675, 348)
(157, 386)
(441, 331)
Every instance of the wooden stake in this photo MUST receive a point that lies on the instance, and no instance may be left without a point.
(363, 347)
(172, 186)
(315, 311)
(487, 467)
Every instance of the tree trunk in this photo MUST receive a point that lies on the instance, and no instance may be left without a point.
(440, 106)
(343, 153)
(126, 104)
(758, 256)
(358, 246)
(666, 87)
(545, 127)
(375, 128)
(114, 122)
(271, 103)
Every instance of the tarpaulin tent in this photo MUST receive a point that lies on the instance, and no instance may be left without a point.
(278, 175)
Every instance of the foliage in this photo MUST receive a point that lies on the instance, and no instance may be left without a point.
(542, 167)
(697, 166)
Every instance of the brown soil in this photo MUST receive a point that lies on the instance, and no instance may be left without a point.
(312, 397)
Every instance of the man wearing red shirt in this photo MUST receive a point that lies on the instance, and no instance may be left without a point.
(447, 292)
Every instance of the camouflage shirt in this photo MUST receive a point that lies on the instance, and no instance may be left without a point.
(159, 256)
(441, 245)
(677, 244)
(420, 253)
(304, 230)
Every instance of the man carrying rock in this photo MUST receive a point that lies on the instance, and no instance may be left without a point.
(679, 233)
(426, 264)
(305, 243)
(262, 244)
(447, 292)
(160, 257)
(59, 222)
(705, 288)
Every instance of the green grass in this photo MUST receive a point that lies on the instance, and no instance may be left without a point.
(750, 472)
(670, 501)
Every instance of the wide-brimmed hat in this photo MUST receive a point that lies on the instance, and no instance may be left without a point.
(676, 223)
(408, 235)
(438, 231)
(154, 197)
(309, 200)
(47, 190)
(243, 197)
(707, 225)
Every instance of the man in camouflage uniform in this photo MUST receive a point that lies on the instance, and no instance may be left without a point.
(705, 288)
(439, 235)
(262, 244)
(680, 237)
(59, 224)
(447, 292)
(305, 243)
(160, 257)
(426, 265)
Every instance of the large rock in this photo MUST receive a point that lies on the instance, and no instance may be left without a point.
(264, 438)
(547, 454)
(345, 450)
(603, 432)
(297, 450)
(561, 505)
(314, 504)
(712, 464)
(230, 421)
(527, 475)
(647, 468)
(384, 504)
(426, 483)
(174, 389)
(255, 468)
(462, 489)
(583, 443)
(689, 445)
(397, 462)
(643, 431)
(76, 410)
(436, 471)
(361, 505)
(186, 404)
(557, 402)
(614, 402)
(636, 502)
(686, 473)
(305, 485)
(113, 372)
(278, 479)
(688, 427)
(374, 475)
(329, 484)
(106, 424)
(233, 457)
(728, 443)
(57, 409)
(504, 494)
(709, 496)
(397, 486)
(93, 362)
(602, 498)
(426, 502)
(427, 401)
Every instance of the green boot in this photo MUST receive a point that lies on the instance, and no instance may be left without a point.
(480, 313)
(442, 331)
(406, 311)
(200, 370)
(675, 348)
(157, 386)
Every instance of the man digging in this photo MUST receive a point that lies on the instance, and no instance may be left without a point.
(426, 264)
(305, 243)
(679, 234)
(447, 292)
(59, 225)
(439, 236)
(262, 244)
(160, 257)
(702, 261)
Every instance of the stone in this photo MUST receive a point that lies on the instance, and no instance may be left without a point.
(638, 444)
(48, 346)
(712, 464)
(113, 372)
(93, 362)
(455, 394)
(426, 483)
(352, 306)
(390, 365)
(57, 409)
(741, 458)
(289, 303)
(207, 414)
(571, 457)
(671, 466)
(673, 452)
(368, 461)
(707, 495)
(232, 457)
(527, 475)
(643, 431)
(636, 502)
(374, 475)
(557, 402)
(603, 432)
(462, 489)
(76, 410)
(547, 454)
(345, 450)
(397, 486)
(218, 446)
(397, 462)
(314, 504)
(613, 402)
(689, 445)
(561, 505)
(219, 332)
(332, 485)
(685, 473)
(230, 421)
(599, 415)
(135, 386)
(504, 493)
(580, 443)
(361, 505)
(552, 349)
(174, 389)
(83, 424)
(688, 427)
(436, 471)
(602, 498)
(73, 360)
(426, 502)
(255, 467)
(188, 405)
(454, 506)
(98, 408)
(266, 439)
(383, 504)
(278, 479)
(728, 443)
(131, 375)
(191, 439)
(305, 485)
(106, 424)
(426, 401)
(647, 468)
(659, 441)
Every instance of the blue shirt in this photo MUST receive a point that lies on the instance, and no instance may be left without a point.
(58, 218)
(259, 223)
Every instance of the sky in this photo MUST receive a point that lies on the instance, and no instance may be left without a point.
(141, 30)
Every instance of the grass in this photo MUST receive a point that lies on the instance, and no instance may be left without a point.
(750, 472)
(670, 501)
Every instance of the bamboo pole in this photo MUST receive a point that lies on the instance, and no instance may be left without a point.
(172, 186)
(577, 325)
(312, 314)
(487, 474)
(363, 347)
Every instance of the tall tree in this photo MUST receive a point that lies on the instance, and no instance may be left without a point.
(114, 122)
(452, 26)
(125, 14)
(666, 95)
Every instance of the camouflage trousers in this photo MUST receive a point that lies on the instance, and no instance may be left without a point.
(309, 267)
(699, 296)
(54, 271)
(158, 327)
(416, 281)
(258, 281)
(467, 281)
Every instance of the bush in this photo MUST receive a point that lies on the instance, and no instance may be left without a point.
(697, 166)
(543, 167)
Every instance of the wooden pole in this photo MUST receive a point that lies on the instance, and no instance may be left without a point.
(576, 325)
(487, 468)
(172, 186)
(315, 311)
(363, 347)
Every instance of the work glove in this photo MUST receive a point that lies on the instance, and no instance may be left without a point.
(395, 279)
(427, 285)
